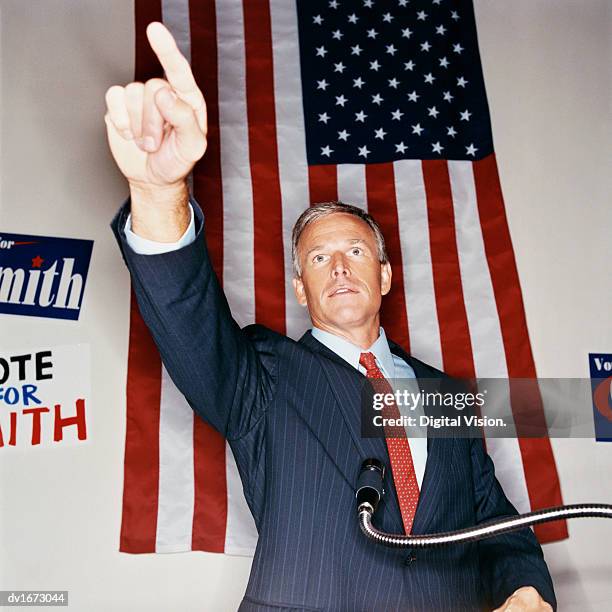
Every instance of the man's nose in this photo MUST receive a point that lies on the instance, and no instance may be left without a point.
(340, 266)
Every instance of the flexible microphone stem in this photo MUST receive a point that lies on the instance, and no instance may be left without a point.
(370, 490)
(478, 532)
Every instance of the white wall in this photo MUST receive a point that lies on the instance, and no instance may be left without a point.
(547, 69)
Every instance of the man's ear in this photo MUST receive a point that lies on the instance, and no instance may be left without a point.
(385, 278)
(300, 294)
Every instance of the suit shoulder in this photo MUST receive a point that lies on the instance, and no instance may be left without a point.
(429, 370)
(267, 342)
(261, 334)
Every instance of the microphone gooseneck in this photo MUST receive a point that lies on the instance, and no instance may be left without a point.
(370, 491)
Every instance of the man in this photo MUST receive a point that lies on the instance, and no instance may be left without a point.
(290, 410)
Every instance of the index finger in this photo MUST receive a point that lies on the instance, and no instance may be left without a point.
(177, 69)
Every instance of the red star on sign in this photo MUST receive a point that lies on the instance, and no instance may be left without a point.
(37, 261)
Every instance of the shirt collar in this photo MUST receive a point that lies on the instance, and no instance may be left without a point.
(351, 352)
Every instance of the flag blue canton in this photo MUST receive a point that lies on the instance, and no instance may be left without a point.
(383, 81)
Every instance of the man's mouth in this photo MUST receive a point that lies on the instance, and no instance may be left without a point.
(341, 291)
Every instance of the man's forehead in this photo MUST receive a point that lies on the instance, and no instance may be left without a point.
(338, 226)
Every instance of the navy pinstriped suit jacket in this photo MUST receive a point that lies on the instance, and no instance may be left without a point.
(291, 413)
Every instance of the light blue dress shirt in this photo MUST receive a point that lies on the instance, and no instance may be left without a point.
(390, 365)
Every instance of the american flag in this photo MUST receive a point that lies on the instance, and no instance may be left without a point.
(377, 103)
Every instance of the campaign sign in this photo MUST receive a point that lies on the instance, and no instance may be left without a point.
(600, 365)
(44, 397)
(42, 276)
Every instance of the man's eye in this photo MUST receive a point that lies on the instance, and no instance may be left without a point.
(356, 251)
(317, 258)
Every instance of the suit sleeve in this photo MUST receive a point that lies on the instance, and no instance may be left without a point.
(509, 561)
(225, 373)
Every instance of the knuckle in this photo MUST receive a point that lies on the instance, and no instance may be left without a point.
(113, 93)
(134, 88)
(156, 83)
(118, 124)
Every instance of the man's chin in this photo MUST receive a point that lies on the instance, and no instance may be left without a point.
(347, 318)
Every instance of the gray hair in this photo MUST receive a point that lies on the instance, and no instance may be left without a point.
(317, 211)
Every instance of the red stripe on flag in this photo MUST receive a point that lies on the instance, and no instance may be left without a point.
(323, 183)
(210, 507)
(146, 64)
(457, 355)
(382, 205)
(538, 460)
(210, 495)
(263, 154)
(141, 461)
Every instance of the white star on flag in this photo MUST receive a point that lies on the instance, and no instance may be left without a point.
(380, 133)
(341, 100)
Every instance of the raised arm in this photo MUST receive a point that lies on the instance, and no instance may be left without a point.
(156, 132)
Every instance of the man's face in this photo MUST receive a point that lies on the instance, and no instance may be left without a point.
(342, 281)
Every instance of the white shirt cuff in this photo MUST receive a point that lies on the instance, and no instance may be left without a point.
(144, 246)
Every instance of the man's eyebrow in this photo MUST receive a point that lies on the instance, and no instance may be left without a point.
(314, 248)
(321, 246)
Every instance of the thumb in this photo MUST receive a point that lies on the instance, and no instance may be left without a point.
(190, 139)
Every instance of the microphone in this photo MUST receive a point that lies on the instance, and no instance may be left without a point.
(370, 484)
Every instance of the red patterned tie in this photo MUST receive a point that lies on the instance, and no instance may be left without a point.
(402, 467)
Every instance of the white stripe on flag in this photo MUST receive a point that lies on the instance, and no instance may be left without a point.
(291, 143)
(352, 185)
(483, 322)
(176, 472)
(423, 327)
(481, 310)
(175, 15)
(238, 231)
(241, 533)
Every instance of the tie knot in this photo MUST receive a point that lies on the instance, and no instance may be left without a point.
(368, 361)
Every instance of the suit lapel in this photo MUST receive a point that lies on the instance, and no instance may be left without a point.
(347, 383)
